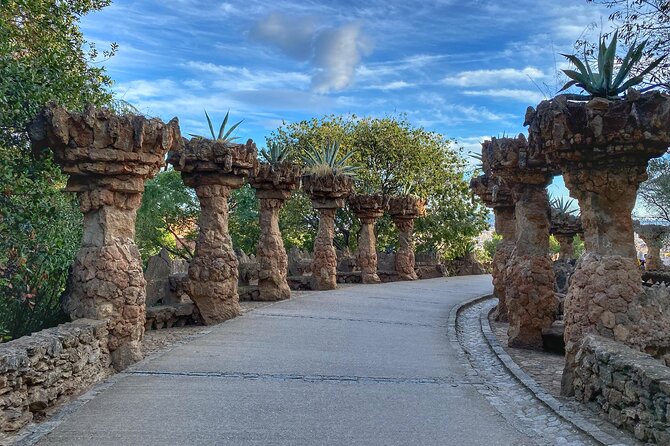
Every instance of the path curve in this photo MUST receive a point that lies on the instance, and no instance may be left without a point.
(368, 364)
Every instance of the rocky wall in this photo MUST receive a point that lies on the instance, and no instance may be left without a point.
(629, 388)
(39, 371)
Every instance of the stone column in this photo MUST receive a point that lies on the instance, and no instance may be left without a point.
(368, 209)
(328, 191)
(404, 210)
(530, 298)
(497, 195)
(213, 169)
(273, 184)
(108, 158)
(566, 252)
(603, 147)
(324, 264)
(653, 236)
(531, 303)
(505, 225)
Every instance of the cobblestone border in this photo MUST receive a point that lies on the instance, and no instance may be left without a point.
(577, 420)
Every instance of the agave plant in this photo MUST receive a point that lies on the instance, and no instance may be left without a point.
(604, 83)
(223, 135)
(275, 153)
(563, 206)
(326, 159)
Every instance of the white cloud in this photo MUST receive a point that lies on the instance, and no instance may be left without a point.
(526, 96)
(394, 85)
(337, 52)
(333, 51)
(294, 35)
(242, 78)
(484, 78)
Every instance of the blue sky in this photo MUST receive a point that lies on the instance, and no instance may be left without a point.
(466, 69)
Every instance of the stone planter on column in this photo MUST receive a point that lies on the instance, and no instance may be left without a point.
(274, 184)
(531, 303)
(404, 210)
(108, 158)
(213, 169)
(497, 195)
(368, 208)
(603, 147)
(328, 192)
(653, 236)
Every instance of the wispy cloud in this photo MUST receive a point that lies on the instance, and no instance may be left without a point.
(484, 78)
(526, 96)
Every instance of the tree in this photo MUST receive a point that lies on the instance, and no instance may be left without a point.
(43, 57)
(395, 158)
(167, 217)
(640, 20)
(654, 194)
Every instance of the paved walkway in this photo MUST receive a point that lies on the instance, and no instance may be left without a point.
(359, 365)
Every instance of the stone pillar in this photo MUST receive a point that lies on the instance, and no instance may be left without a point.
(404, 210)
(324, 264)
(213, 169)
(328, 191)
(108, 158)
(602, 147)
(566, 252)
(505, 225)
(368, 209)
(496, 194)
(653, 236)
(273, 184)
(532, 305)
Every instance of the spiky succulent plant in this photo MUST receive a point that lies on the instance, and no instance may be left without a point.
(604, 83)
(223, 135)
(275, 153)
(325, 159)
(563, 206)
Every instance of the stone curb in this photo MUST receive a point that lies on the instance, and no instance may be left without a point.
(548, 400)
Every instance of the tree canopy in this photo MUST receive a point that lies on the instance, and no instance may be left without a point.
(394, 158)
(654, 194)
(43, 57)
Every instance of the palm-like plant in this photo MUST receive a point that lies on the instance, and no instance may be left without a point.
(326, 159)
(223, 135)
(563, 206)
(275, 153)
(604, 83)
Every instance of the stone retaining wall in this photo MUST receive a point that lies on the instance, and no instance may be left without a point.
(629, 388)
(38, 371)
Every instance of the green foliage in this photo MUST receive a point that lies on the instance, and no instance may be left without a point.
(578, 246)
(167, 217)
(276, 153)
(554, 246)
(41, 231)
(243, 221)
(563, 206)
(43, 57)
(223, 135)
(654, 194)
(491, 245)
(604, 83)
(326, 158)
(394, 156)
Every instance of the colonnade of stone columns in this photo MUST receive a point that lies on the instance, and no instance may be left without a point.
(602, 148)
(404, 210)
(107, 158)
(529, 275)
(368, 209)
